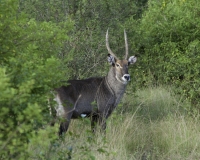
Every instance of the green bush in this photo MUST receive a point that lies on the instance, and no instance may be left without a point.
(18, 117)
(91, 20)
(168, 42)
(29, 68)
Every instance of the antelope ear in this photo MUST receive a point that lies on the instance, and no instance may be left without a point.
(111, 59)
(132, 60)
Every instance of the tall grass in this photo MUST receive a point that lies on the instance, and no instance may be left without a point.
(149, 125)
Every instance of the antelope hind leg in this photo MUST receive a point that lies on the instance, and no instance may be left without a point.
(65, 124)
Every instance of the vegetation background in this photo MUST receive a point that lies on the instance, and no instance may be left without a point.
(43, 43)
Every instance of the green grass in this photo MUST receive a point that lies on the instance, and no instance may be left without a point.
(152, 124)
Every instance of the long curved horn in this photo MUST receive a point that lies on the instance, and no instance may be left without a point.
(126, 45)
(108, 47)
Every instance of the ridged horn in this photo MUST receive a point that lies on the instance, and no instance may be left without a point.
(108, 47)
(126, 45)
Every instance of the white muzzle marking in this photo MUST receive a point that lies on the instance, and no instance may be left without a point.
(126, 77)
(124, 82)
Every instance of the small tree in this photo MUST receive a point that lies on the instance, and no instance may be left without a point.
(29, 69)
(168, 40)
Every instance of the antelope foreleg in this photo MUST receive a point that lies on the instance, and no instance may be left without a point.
(102, 123)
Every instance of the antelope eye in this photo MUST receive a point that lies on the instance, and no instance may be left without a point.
(117, 65)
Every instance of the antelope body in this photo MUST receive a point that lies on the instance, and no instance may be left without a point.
(94, 97)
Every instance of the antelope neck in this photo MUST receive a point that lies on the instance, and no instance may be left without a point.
(114, 84)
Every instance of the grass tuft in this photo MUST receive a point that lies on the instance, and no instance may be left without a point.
(149, 125)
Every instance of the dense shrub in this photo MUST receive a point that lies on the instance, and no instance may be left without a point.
(168, 42)
(29, 70)
(91, 20)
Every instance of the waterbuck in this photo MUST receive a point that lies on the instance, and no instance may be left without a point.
(94, 97)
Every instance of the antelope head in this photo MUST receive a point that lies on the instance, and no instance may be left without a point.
(120, 66)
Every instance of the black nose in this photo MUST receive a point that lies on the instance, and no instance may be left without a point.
(127, 77)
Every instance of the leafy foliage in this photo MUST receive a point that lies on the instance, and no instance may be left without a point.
(91, 20)
(39, 49)
(28, 69)
(168, 42)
